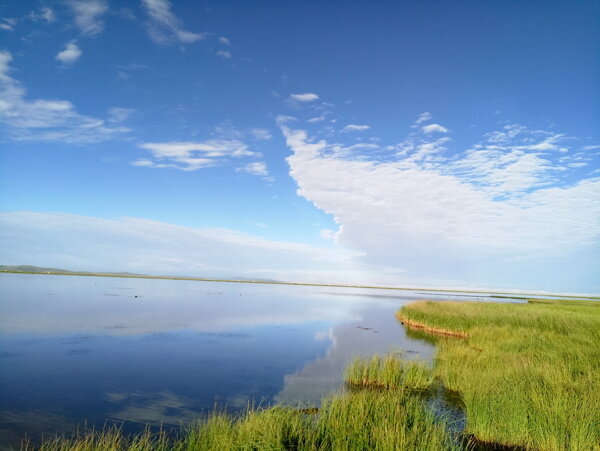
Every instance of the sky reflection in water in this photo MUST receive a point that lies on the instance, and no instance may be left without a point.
(77, 349)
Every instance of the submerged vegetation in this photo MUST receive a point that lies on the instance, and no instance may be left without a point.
(527, 374)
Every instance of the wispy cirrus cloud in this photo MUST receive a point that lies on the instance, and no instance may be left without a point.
(423, 117)
(117, 115)
(261, 134)
(225, 54)
(190, 156)
(8, 23)
(46, 119)
(88, 15)
(165, 27)
(227, 146)
(258, 169)
(44, 14)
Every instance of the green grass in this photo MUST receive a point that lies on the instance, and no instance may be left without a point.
(380, 420)
(389, 417)
(389, 372)
(528, 374)
(110, 439)
(362, 420)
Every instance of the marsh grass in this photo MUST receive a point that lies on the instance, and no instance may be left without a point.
(389, 372)
(389, 417)
(380, 420)
(528, 374)
(363, 420)
(108, 439)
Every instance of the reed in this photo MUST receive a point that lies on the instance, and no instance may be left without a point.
(389, 372)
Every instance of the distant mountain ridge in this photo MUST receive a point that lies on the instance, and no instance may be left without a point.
(31, 269)
(42, 270)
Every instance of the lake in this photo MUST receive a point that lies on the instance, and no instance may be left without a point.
(78, 351)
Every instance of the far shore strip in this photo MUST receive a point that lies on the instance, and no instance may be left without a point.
(507, 294)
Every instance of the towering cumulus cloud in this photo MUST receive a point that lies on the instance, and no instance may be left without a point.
(495, 213)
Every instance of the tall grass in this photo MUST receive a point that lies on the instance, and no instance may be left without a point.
(388, 417)
(528, 374)
(362, 420)
(379, 420)
(109, 439)
(389, 372)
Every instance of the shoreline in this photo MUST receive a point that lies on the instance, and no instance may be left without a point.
(504, 294)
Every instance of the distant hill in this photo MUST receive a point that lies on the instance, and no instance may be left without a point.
(34, 269)
(31, 269)
(41, 270)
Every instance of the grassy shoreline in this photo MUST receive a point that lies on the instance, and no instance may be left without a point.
(527, 374)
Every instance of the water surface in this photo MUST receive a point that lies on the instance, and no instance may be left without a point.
(91, 350)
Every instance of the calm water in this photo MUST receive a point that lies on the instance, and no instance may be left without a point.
(77, 350)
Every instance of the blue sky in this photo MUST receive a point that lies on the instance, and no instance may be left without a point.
(432, 143)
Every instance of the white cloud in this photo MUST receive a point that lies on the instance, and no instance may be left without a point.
(312, 120)
(119, 114)
(473, 218)
(261, 134)
(151, 247)
(7, 24)
(70, 54)
(283, 119)
(224, 54)
(328, 234)
(165, 27)
(212, 148)
(226, 146)
(225, 41)
(258, 168)
(423, 117)
(514, 160)
(355, 128)
(88, 15)
(190, 156)
(46, 119)
(304, 97)
(44, 14)
(504, 172)
(434, 128)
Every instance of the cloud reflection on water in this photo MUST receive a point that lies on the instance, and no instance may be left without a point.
(179, 349)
